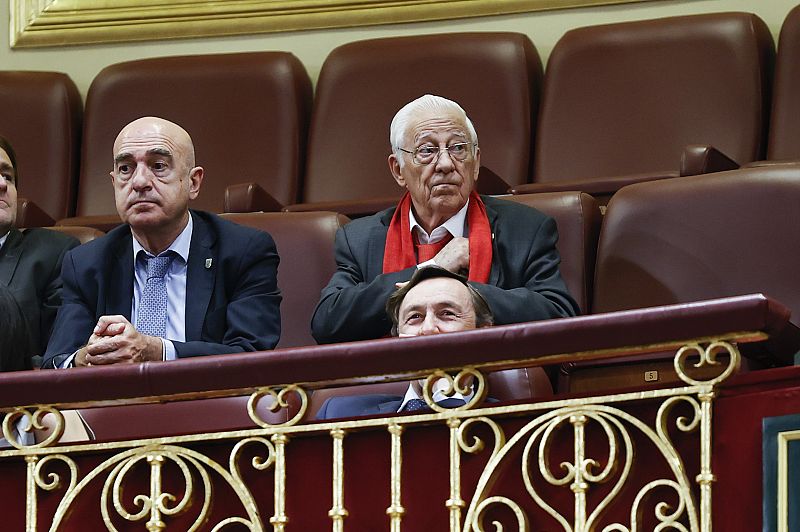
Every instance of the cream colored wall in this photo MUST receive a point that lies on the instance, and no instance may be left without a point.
(82, 63)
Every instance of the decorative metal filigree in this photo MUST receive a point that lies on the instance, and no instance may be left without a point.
(583, 471)
(279, 400)
(465, 382)
(594, 477)
(707, 357)
(22, 418)
(159, 504)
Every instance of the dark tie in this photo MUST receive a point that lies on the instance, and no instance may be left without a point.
(426, 252)
(151, 317)
(419, 405)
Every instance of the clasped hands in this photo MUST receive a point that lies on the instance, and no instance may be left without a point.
(115, 340)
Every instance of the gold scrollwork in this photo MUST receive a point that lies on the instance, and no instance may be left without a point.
(159, 503)
(708, 357)
(32, 421)
(465, 382)
(54, 479)
(477, 444)
(279, 400)
(584, 471)
(668, 520)
(475, 524)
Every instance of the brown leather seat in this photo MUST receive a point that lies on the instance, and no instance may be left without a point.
(694, 238)
(784, 134)
(621, 102)
(305, 246)
(42, 119)
(494, 76)
(246, 112)
(83, 234)
(578, 218)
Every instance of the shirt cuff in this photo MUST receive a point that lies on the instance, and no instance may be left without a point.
(168, 351)
(68, 362)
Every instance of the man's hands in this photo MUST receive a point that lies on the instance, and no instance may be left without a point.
(115, 341)
(454, 256)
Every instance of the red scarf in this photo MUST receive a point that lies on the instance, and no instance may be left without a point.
(399, 251)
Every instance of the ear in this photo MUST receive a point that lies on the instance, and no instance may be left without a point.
(195, 180)
(477, 169)
(112, 177)
(394, 167)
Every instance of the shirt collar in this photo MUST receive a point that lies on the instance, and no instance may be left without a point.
(180, 245)
(3, 239)
(453, 225)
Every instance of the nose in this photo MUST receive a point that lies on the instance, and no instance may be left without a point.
(430, 325)
(141, 178)
(3, 183)
(444, 163)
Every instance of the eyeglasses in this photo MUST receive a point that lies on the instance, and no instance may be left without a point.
(427, 154)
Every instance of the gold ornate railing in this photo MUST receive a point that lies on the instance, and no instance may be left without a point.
(584, 447)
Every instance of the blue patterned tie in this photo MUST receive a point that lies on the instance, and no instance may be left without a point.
(420, 406)
(151, 317)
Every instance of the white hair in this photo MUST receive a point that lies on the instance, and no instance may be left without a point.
(429, 102)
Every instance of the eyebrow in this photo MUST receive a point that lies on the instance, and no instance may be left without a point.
(456, 132)
(124, 156)
(442, 304)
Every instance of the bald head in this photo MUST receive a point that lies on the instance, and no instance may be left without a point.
(154, 179)
(150, 127)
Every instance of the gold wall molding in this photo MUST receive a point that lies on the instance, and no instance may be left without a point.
(60, 22)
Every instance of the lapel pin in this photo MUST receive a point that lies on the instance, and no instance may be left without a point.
(208, 263)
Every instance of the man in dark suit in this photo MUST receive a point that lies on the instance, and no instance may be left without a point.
(434, 301)
(30, 265)
(171, 283)
(506, 249)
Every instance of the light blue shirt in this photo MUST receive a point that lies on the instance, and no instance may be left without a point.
(3, 240)
(175, 281)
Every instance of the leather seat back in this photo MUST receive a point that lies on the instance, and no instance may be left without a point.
(627, 98)
(305, 246)
(784, 135)
(42, 114)
(246, 113)
(494, 76)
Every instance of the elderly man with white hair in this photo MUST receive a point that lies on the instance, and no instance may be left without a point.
(507, 250)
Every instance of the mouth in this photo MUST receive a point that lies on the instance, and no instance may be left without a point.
(443, 187)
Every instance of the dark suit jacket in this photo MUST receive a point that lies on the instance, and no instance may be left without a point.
(30, 266)
(524, 283)
(359, 405)
(231, 307)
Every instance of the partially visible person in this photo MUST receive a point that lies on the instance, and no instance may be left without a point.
(30, 263)
(434, 301)
(170, 283)
(14, 333)
(507, 250)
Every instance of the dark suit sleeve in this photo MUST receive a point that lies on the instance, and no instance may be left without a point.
(252, 312)
(51, 295)
(75, 319)
(351, 308)
(541, 294)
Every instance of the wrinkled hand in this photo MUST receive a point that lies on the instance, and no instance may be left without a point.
(114, 341)
(454, 256)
